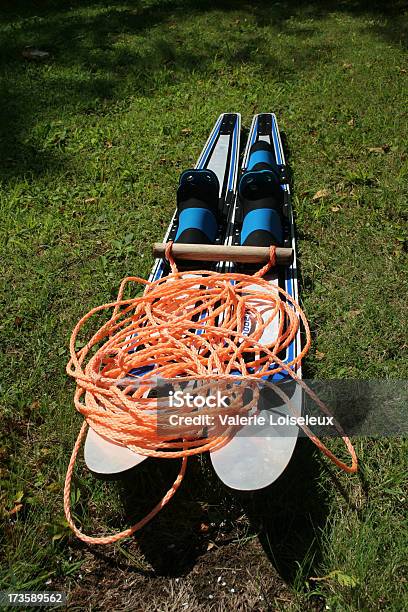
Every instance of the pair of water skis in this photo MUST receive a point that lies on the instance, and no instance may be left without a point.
(228, 216)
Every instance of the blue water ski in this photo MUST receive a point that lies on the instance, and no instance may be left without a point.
(205, 198)
(258, 453)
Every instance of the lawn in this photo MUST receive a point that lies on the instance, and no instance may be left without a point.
(93, 138)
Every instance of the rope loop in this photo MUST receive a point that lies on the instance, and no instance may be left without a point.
(200, 326)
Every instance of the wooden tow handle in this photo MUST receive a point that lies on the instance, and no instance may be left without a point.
(215, 252)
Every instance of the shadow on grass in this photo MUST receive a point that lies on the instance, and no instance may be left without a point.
(174, 540)
(289, 514)
(102, 52)
(286, 516)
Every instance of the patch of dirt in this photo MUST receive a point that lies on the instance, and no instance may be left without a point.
(234, 576)
(211, 550)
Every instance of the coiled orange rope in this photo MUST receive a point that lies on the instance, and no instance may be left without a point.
(189, 329)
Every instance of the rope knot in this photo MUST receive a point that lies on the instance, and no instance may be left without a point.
(270, 264)
(169, 256)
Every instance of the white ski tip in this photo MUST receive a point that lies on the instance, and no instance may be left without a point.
(258, 454)
(248, 463)
(107, 458)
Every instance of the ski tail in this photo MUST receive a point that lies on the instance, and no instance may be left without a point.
(206, 193)
(263, 189)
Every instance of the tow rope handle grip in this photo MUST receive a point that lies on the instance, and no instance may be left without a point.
(215, 252)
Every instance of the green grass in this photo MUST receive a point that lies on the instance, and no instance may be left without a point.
(92, 141)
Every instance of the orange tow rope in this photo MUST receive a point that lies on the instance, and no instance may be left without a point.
(183, 328)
